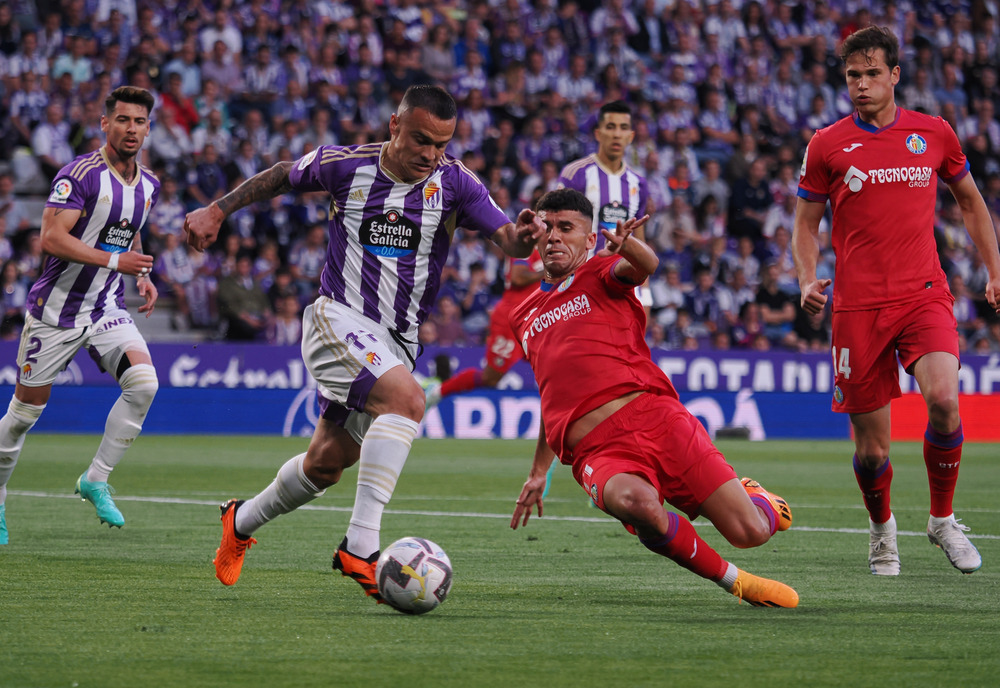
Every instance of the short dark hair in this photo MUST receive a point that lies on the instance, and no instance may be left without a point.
(616, 106)
(129, 94)
(566, 199)
(870, 39)
(433, 99)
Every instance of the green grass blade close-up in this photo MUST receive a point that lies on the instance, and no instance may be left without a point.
(570, 600)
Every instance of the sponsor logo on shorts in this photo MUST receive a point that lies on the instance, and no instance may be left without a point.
(838, 394)
(588, 471)
(61, 191)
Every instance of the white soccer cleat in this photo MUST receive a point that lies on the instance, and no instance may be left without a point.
(883, 556)
(432, 390)
(949, 534)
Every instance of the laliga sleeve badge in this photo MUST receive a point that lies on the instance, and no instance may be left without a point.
(61, 191)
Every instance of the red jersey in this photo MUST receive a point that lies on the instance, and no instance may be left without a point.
(882, 187)
(584, 340)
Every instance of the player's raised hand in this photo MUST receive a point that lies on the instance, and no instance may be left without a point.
(134, 263)
(623, 230)
(202, 226)
(531, 494)
(813, 298)
(529, 227)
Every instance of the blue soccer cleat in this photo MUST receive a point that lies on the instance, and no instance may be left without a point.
(99, 494)
(4, 536)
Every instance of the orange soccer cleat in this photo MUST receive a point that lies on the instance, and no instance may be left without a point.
(361, 570)
(763, 592)
(229, 557)
(780, 506)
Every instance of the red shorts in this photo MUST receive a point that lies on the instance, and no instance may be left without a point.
(865, 346)
(502, 347)
(657, 438)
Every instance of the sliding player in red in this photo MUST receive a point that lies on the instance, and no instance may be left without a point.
(612, 414)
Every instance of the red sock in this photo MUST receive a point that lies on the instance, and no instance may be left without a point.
(942, 455)
(462, 381)
(685, 547)
(875, 489)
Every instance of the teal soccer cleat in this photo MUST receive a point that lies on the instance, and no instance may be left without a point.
(4, 537)
(99, 494)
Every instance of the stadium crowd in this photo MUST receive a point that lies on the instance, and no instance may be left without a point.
(725, 95)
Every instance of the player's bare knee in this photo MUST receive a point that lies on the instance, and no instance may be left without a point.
(637, 509)
(942, 412)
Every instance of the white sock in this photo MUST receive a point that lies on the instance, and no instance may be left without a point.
(14, 427)
(729, 579)
(383, 454)
(124, 422)
(289, 490)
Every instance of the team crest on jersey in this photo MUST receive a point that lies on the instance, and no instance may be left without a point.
(390, 235)
(61, 191)
(117, 237)
(566, 282)
(915, 143)
(373, 358)
(432, 195)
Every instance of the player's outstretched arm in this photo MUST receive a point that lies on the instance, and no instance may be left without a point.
(639, 259)
(57, 241)
(202, 225)
(534, 486)
(805, 249)
(519, 239)
(980, 226)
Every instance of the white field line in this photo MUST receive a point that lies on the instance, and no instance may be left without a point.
(463, 514)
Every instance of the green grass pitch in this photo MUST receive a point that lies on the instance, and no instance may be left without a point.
(572, 600)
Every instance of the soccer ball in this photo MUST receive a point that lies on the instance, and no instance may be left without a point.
(414, 575)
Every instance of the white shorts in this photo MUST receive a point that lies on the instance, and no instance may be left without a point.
(346, 353)
(46, 350)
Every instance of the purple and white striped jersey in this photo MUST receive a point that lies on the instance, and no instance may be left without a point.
(615, 196)
(389, 240)
(72, 294)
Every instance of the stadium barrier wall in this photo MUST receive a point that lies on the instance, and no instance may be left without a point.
(222, 388)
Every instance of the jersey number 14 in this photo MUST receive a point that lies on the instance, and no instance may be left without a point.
(842, 362)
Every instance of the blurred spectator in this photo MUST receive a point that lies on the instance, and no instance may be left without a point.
(178, 103)
(206, 180)
(243, 306)
(170, 146)
(13, 211)
(50, 141)
(166, 216)
(14, 292)
(173, 272)
(447, 319)
(285, 329)
(750, 202)
(777, 308)
(306, 261)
